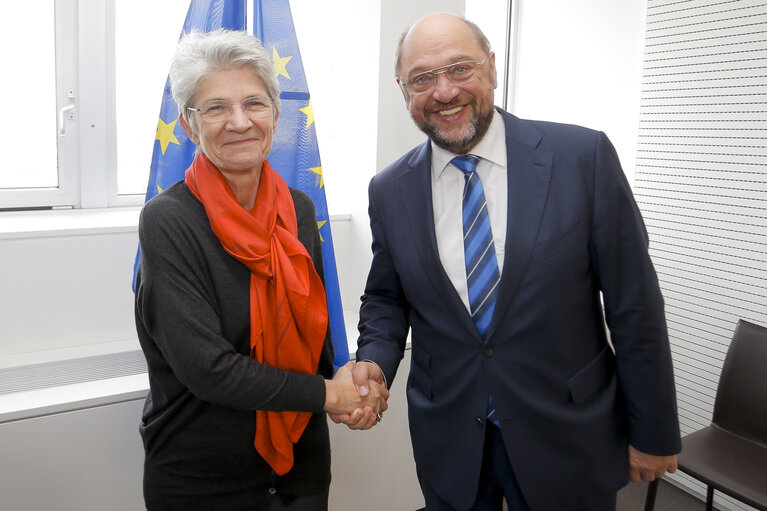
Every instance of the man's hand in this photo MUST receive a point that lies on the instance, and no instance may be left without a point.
(369, 382)
(647, 467)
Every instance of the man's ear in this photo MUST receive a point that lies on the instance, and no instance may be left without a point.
(493, 74)
(192, 136)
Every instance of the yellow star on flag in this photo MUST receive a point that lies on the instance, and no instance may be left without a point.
(159, 190)
(307, 110)
(280, 64)
(319, 226)
(318, 171)
(165, 134)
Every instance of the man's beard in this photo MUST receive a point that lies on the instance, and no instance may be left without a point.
(478, 126)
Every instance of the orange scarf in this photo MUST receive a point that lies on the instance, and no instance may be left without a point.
(288, 311)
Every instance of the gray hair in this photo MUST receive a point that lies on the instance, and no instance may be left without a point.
(483, 41)
(199, 54)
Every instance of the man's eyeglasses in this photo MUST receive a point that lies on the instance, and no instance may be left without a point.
(219, 110)
(458, 73)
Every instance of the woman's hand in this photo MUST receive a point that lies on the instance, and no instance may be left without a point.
(359, 407)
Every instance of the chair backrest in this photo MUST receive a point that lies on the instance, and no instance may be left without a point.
(741, 399)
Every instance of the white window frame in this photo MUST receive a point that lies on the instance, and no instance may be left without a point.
(68, 133)
(85, 99)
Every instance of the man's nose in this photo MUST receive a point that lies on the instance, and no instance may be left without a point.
(444, 89)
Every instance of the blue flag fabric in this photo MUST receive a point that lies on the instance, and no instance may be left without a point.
(173, 151)
(295, 153)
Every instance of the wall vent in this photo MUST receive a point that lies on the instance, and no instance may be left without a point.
(67, 372)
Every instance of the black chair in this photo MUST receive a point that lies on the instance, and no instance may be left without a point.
(730, 455)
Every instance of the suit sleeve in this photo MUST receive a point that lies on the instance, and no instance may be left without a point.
(384, 310)
(634, 308)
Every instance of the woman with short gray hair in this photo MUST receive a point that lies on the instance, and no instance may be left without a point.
(230, 306)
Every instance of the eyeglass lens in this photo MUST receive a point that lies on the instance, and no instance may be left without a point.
(218, 110)
(460, 72)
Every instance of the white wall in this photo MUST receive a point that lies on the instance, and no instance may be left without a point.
(66, 284)
(580, 62)
(374, 470)
(346, 118)
(82, 460)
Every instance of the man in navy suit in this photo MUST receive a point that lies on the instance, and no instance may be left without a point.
(534, 403)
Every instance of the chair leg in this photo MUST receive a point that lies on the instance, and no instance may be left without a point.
(709, 498)
(652, 490)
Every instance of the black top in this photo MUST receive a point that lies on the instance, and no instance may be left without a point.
(193, 323)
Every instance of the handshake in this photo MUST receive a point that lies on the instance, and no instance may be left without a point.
(356, 396)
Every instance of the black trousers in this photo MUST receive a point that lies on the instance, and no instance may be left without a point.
(318, 502)
(249, 501)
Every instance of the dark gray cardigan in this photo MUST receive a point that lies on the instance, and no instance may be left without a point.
(193, 323)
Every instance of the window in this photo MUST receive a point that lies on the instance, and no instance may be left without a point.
(139, 82)
(30, 122)
(96, 73)
(82, 110)
(79, 131)
(494, 18)
(37, 134)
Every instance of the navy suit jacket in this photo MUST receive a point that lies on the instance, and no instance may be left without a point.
(567, 404)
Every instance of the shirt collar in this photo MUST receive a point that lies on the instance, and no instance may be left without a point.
(492, 147)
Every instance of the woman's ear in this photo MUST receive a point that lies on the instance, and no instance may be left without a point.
(192, 135)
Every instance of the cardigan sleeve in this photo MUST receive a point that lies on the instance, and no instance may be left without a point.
(179, 319)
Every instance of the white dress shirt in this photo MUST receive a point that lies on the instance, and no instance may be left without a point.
(447, 184)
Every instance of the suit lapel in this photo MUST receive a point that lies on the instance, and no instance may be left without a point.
(529, 174)
(415, 187)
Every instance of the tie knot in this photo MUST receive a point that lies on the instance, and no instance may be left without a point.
(467, 162)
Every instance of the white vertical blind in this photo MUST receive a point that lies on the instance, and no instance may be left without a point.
(701, 182)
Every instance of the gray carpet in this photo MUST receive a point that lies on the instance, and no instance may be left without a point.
(669, 498)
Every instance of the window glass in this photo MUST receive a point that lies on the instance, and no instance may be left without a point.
(491, 16)
(146, 33)
(28, 88)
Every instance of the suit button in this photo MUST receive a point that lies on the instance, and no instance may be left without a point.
(272, 491)
(489, 351)
(479, 420)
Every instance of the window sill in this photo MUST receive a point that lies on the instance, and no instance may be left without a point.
(70, 222)
(67, 222)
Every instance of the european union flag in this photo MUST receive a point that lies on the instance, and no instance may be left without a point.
(295, 153)
(175, 152)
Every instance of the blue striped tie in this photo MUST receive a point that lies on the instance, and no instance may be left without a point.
(482, 273)
(481, 263)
